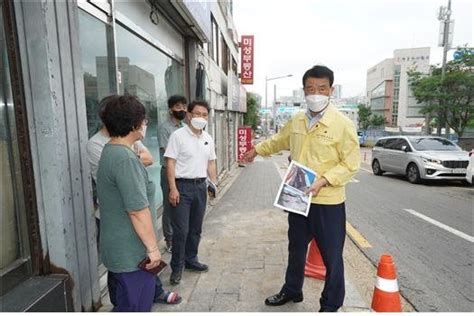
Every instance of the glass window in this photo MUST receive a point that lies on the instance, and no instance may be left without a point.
(224, 54)
(152, 76)
(398, 144)
(14, 252)
(404, 143)
(390, 143)
(379, 143)
(215, 41)
(435, 144)
(97, 65)
(379, 91)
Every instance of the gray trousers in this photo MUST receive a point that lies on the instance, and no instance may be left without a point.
(166, 218)
(186, 219)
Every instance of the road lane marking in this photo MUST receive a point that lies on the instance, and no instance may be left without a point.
(440, 225)
(355, 180)
(357, 237)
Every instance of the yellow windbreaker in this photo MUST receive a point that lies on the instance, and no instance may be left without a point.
(331, 148)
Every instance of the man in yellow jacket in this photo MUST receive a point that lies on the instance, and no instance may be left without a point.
(324, 140)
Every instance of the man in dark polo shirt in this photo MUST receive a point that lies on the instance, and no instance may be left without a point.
(177, 113)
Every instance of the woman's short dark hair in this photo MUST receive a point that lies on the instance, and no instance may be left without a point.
(321, 72)
(176, 99)
(122, 114)
(200, 103)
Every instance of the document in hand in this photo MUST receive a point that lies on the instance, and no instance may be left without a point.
(211, 188)
(291, 195)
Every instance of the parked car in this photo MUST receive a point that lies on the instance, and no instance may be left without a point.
(361, 136)
(420, 157)
(470, 168)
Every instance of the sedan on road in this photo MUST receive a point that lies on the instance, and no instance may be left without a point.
(420, 157)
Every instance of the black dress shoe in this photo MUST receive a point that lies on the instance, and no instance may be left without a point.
(196, 267)
(175, 278)
(282, 298)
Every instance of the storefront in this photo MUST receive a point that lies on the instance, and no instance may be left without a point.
(58, 60)
(131, 55)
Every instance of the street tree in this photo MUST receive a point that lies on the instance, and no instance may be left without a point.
(377, 120)
(449, 99)
(364, 116)
(251, 117)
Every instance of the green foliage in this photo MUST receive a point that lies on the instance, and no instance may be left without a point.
(377, 120)
(449, 99)
(364, 116)
(251, 117)
(368, 119)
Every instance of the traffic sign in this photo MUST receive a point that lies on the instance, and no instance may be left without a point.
(460, 53)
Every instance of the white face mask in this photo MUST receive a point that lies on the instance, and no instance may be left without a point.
(317, 102)
(199, 122)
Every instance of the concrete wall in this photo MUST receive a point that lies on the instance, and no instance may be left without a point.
(54, 95)
(379, 73)
(409, 59)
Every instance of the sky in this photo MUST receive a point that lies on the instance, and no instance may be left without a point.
(348, 36)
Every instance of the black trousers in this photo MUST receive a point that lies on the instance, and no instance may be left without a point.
(186, 219)
(166, 216)
(327, 225)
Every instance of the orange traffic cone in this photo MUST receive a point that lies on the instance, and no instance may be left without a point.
(386, 294)
(314, 267)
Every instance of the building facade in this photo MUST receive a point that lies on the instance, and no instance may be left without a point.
(337, 92)
(59, 59)
(388, 88)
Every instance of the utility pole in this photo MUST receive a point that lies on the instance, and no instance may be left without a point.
(267, 124)
(275, 127)
(445, 17)
(266, 92)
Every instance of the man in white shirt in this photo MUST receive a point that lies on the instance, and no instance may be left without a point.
(191, 158)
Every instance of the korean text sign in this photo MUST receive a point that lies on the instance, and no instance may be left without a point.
(246, 59)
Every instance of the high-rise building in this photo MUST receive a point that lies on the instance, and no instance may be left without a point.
(388, 88)
(337, 92)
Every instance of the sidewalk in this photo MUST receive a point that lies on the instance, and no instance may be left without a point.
(244, 242)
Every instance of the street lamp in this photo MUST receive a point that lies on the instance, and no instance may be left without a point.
(266, 93)
(444, 16)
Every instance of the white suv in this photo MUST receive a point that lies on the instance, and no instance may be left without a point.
(470, 168)
(420, 157)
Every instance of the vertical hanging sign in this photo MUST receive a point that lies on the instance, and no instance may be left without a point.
(244, 141)
(246, 59)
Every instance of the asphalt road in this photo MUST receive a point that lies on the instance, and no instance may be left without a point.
(427, 228)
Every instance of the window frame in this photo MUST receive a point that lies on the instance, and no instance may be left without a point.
(29, 260)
